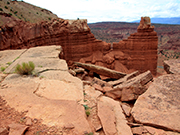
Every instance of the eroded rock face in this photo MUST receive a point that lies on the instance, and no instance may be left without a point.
(138, 52)
(74, 36)
(141, 47)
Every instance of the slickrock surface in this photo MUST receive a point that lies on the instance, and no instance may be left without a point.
(54, 101)
(172, 66)
(160, 104)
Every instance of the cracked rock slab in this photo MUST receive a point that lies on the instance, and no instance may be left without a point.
(43, 52)
(112, 117)
(19, 94)
(59, 90)
(159, 106)
(9, 56)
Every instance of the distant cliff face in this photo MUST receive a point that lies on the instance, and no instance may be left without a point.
(138, 52)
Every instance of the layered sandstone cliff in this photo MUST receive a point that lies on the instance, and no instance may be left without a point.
(74, 36)
(141, 47)
(138, 52)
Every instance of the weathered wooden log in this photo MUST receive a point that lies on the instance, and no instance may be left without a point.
(101, 70)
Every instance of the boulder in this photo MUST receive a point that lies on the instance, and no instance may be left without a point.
(159, 105)
(158, 131)
(126, 108)
(4, 131)
(17, 129)
(98, 87)
(101, 70)
(124, 79)
(172, 66)
(131, 89)
(100, 82)
(112, 117)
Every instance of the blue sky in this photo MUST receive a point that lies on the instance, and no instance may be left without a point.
(110, 10)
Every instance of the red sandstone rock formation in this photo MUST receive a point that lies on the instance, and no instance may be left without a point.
(138, 52)
(74, 36)
(141, 47)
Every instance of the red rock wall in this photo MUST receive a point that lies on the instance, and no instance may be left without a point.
(138, 52)
(141, 47)
(74, 36)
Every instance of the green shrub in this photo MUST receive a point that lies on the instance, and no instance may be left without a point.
(86, 107)
(9, 63)
(2, 69)
(10, 14)
(1, 9)
(88, 113)
(6, 7)
(8, 2)
(49, 18)
(25, 68)
(15, 12)
(91, 133)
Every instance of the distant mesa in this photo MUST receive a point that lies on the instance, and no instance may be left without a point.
(138, 52)
(171, 20)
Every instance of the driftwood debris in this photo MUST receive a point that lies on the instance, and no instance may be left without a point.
(101, 70)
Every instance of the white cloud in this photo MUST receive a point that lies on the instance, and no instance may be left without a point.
(110, 10)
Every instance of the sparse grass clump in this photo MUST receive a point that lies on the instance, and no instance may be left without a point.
(25, 68)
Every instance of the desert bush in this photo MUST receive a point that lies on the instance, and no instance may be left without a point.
(2, 69)
(88, 113)
(25, 68)
(91, 133)
(86, 107)
(6, 7)
(1, 9)
(8, 2)
(15, 12)
(10, 14)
